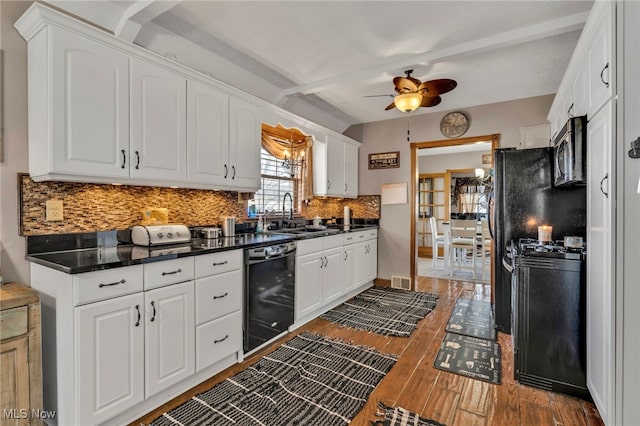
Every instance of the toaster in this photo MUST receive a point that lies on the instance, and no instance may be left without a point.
(155, 235)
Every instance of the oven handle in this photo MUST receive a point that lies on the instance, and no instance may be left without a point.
(507, 265)
(264, 259)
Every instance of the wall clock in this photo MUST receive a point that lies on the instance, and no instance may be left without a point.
(454, 124)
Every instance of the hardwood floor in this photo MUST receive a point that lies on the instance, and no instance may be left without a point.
(413, 383)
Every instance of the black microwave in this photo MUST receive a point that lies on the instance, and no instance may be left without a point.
(570, 153)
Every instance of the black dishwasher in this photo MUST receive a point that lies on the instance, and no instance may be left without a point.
(268, 293)
(549, 317)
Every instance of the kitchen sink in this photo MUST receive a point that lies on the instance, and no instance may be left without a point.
(304, 231)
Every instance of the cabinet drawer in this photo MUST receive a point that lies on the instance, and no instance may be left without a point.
(218, 339)
(217, 263)
(332, 241)
(14, 322)
(349, 238)
(107, 284)
(218, 295)
(159, 274)
(370, 234)
(312, 245)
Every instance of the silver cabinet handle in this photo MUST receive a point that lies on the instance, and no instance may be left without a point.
(220, 263)
(226, 171)
(346, 255)
(326, 261)
(153, 317)
(233, 168)
(570, 111)
(137, 160)
(328, 184)
(606, 83)
(177, 271)
(606, 177)
(221, 340)
(345, 187)
(122, 281)
(139, 316)
(220, 297)
(124, 158)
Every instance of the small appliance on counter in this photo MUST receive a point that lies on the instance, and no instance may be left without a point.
(155, 235)
(209, 233)
(229, 226)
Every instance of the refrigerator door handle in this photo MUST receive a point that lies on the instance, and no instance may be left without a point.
(490, 220)
(508, 266)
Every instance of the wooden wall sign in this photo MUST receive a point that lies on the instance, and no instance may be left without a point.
(384, 160)
(487, 158)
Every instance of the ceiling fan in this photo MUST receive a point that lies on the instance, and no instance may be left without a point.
(412, 93)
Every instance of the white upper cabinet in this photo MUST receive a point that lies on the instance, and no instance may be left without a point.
(335, 167)
(245, 130)
(78, 107)
(158, 123)
(350, 170)
(599, 60)
(207, 133)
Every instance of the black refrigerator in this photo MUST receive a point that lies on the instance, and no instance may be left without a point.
(524, 197)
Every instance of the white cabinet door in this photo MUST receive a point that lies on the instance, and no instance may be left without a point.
(169, 336)
(89, 112)
(245, 129)
(579, 105)
(309, 282)
(349, 267)
(207, 134)
(335, 167)
(333, 274)
(600, 284)
(109, 369)
(350, 171)
(372, 260)
(361, 268)
(158, 123)
(599, 66)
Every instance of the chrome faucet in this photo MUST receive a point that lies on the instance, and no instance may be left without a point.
(284, 199)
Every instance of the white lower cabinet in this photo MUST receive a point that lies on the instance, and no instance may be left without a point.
(330, 269)
(169, 336)
(123, 341)
(109, 371)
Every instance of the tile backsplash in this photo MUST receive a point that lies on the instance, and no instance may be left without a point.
(92, 207)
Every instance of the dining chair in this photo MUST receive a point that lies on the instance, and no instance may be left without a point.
(436, 242)
(485, 243)
(462, 245)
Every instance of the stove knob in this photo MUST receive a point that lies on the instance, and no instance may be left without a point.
(177, 233)
(160, 235)
(169, 235)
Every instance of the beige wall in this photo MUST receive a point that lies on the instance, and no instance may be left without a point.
(14, 141)
(504, 118)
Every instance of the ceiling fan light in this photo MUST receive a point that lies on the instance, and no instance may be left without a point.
(408, 102)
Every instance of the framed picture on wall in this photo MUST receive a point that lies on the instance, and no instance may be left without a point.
(384, 160)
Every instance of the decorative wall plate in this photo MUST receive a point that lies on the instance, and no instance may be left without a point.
(454, 124)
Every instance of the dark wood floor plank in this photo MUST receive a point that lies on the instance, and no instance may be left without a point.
(504, 407)
(465, 418)
(441, 406)
(475, 397)
(532, 413)
(567, 411)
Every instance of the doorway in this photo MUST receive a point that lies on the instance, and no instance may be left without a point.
(418, 206)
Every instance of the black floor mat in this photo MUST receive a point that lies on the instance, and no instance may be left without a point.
(471, 357)
(472, 318)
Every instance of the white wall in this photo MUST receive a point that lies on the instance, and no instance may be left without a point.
(443, 162)
(394, 241)
(14, 149)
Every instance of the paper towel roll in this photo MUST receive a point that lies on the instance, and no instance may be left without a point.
(347, 217)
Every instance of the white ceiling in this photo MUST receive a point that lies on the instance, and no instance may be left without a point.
(320, 59)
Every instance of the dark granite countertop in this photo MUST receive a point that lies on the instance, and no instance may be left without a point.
(77, 253)
(98, 258)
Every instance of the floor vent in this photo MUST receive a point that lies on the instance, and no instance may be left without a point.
(400, 282)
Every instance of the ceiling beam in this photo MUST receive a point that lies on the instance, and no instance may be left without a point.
(138, 14)
(499, 41)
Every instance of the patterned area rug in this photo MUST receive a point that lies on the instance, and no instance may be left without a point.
(383, 310)
(309, 380)
(472, 318)
(398, 416)
(471, 357)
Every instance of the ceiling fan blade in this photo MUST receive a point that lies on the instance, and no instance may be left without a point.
(404, 84)
(377, 96)
(438, 87)
(392, 105)
(429, 101)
